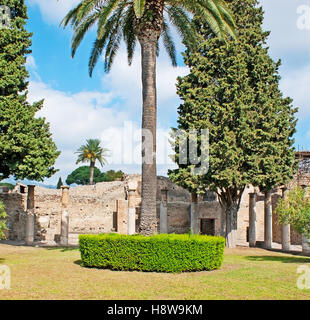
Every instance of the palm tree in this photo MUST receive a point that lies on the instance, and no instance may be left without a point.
(90, 152)
(144, 21)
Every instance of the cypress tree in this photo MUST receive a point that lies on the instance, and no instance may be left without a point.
(59, 183)
(26, 146)
(233, 91)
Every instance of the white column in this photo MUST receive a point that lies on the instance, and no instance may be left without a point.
(286, 229)
(64, 234)
(305, 245)
(305, 241)
(131, 212)
(252, 219)
(30, 216)
(268, 221)
(163, 222)
(194, 214)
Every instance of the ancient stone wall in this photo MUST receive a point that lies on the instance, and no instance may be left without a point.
(103, 208)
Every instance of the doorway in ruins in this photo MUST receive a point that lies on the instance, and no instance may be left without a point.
(207, 227)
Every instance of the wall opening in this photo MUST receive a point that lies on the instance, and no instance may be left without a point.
(207, 227)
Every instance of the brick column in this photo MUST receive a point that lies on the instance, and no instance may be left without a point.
(30, 216)
(286, 229)
(194, 214)
(268, 221)
(64, 234)
(122, 214)
(252, 219)
(131, 211)
(163, 222)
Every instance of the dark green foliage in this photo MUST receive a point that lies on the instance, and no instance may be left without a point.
(91, 152)
(112, 175)
(80, 176)
(233, 90)
(26, 146)
(9, 185)
(295, 210)
(59, 184)
(159, 253)
(118, 20)
(3, 226)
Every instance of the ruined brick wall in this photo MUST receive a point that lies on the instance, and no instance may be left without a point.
(95, 209)
(15, 207)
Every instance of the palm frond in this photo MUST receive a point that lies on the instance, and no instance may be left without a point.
(168, 43)
(181, 21)
(81, 31)
(129, 33)
(139, 6)
(105, 12)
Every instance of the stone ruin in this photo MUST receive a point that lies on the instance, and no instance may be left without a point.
(56, 217)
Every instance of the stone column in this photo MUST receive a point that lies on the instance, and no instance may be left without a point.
(268, 221)
(252, 219)
(194, 214)
(122, 215)
(64, 234)
(131, 211)
(305, 241)
(30, 216)
(286, 229)
(305, 245)
(163, 222)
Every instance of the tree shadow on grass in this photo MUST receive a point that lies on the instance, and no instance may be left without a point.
(279, 259)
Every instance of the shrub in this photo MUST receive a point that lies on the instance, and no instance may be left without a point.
(295, 210)
(3, 226)
(158, 253)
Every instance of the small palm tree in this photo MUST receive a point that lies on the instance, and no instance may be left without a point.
(90, 152)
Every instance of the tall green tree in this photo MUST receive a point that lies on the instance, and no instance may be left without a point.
(26, 146)
(59, 183)
(233, 91)
(91, 152)
(144, 22)
(80, 176)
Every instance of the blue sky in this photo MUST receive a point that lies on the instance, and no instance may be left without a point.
(80, 107)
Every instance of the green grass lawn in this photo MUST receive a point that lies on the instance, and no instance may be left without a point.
(50, 273)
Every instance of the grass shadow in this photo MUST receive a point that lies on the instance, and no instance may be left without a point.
(63, 249)
(279, 259)
(78, 262)
(2, 260)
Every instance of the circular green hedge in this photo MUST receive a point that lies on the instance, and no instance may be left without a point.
(158, 253)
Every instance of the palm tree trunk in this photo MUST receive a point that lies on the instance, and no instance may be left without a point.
(91, 173)
(148, 221)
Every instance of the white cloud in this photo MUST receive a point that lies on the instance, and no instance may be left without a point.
(281, 18)
(125, 81)
(296, 83)
(53, 11)
(74, 118)
(31, 63)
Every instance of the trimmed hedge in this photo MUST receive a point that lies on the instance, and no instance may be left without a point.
(158, 253)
